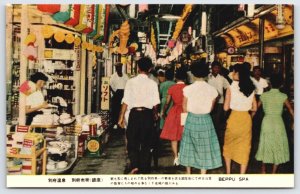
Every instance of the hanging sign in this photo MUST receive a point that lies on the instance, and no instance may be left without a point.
(89, 19)
(103, 23)
(95, 24)
(74, 15)
(101, 10)
(63, 15)
(83, 18)
(105, 93)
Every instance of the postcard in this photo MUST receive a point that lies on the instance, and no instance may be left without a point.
(149, 95)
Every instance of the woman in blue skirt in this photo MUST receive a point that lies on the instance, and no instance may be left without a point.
(199, 146)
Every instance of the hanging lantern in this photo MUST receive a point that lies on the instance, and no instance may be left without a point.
(59, 36)
(171, 43)
(203, 23)
(90, 46)
(31, 38)
(241, 7)
(143, 7)
(280, 22)
(132, 10)
(49, 8)
(77, 41)
(74, 15)
(131, 50)
(250, 10)
(69, 38)
(47, 31)
(31, 52)
(135, 45)
(63, 15)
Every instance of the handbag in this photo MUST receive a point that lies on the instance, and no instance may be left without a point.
(183, 118)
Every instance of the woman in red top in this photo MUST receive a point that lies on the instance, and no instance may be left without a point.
(172, 129)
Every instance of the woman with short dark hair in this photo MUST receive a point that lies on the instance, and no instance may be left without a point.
(35, 101)
(199, 146)
(172, 129)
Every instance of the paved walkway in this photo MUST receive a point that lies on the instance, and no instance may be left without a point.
(114, 160)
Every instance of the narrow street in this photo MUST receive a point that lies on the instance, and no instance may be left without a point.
(114, 160)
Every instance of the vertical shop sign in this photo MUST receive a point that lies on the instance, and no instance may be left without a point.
(105, 93)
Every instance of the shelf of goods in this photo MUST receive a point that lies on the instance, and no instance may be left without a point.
(62, 154)
(63, 84)
(61, 148)
(13, 78)
(33, 157)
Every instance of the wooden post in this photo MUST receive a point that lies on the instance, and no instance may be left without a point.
(9, 55)
(82, 78)
(261, 42)
(44, 159)
(23, 63)
(90, 81)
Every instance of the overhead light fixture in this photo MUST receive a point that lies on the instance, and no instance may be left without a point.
(250, 10)
(280, 22)
(165, 35)
(170, 17)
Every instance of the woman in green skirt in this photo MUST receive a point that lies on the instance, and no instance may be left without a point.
(199, 146)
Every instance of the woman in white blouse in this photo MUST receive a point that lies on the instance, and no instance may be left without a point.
(240, 99)
(199, 146)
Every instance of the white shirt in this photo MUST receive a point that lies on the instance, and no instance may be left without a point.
(141, 91)
(190, 77)
(35, 99)
(259, 85)
(200, 96)
(118, 83)
(238, 100)
(151, 76)
(220, 83)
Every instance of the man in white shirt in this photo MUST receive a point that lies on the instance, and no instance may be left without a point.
(260, 83)
(117, 83)
(220, 83)
(35, 101)
(141, 94)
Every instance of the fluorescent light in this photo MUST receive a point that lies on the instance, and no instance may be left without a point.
(171, 17)
(167, 35)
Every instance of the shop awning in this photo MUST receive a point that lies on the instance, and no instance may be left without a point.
(247, 33)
